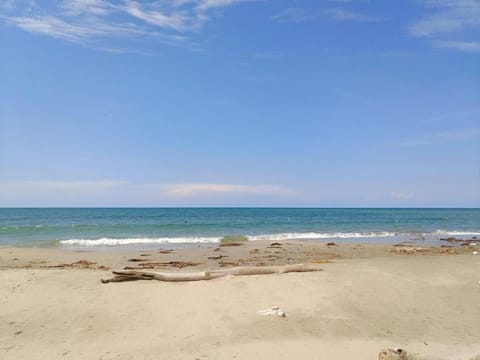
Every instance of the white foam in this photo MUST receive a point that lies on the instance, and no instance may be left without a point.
(212, 239)
(454, 233)
(313, 235)
(138, 241)
(267, 237)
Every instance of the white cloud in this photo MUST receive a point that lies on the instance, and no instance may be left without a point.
(397, 195)
(292, 15)
(192, 190)
(176, 20)
(92, 22)
(120, 193)
(296, 15)
(77, 7)
(61, 193)
(7, 4)
(444, 137)
(466, 46)
(58, 28)
(204, 5)
(447, 17)
(347, 15)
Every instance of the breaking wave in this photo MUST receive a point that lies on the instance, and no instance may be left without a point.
(213, 239)
(139, 241)
(268, 237)
(456, 233)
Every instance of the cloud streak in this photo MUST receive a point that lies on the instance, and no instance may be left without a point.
(194, 190)
(347, 15)
(444, 137)
(298, 15)
(293, 15)
(397, 195)
(465, 46)
(119, 193)
(92, 22)
(445, 18)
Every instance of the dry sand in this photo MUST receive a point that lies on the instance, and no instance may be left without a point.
(366, 299)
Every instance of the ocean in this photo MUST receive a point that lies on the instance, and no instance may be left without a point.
(120, 227)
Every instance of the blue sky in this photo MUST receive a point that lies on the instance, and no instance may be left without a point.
(240, 103)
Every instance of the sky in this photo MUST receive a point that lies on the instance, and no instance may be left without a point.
(323, 103)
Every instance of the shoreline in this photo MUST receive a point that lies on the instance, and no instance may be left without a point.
(368, 297)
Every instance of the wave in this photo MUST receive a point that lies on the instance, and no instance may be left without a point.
(213, 239)
(267, 237)
(455, 233)
(139, 241)
(313, 235)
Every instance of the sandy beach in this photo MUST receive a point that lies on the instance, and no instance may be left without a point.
(367, 298)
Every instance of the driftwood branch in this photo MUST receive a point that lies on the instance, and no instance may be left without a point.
(128, 275)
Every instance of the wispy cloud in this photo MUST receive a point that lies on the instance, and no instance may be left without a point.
(444, 137)
(348, 15)
(78, 7)
(7, 4)
(192, 190)
(398, 195)
(60, 29)
(93, 22)
(47, 192)
(118, 192)
(267, 55)
(293, 15)
(297, 15)
(466, 46)
(445, 18)
(176, 20)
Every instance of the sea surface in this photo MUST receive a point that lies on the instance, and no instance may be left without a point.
(120, 227)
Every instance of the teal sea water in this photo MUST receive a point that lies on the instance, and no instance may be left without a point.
(106, 227)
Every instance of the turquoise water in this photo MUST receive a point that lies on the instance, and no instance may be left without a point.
(122, 226)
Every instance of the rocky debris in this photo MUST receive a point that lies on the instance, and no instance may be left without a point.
(462, 242)
(227, 244)
(275, 245)
(217, 257)
(412, 250)
(166, 251)
(153, 265)
(81, 264)
(223, 263)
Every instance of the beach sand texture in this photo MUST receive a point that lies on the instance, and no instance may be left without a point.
(367, 298)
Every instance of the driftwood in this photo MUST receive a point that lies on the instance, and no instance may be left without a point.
(127, 275)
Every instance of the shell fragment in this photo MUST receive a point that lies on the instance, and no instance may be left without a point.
(273, 311)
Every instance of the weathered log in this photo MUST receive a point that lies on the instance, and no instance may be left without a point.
(126, 275)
